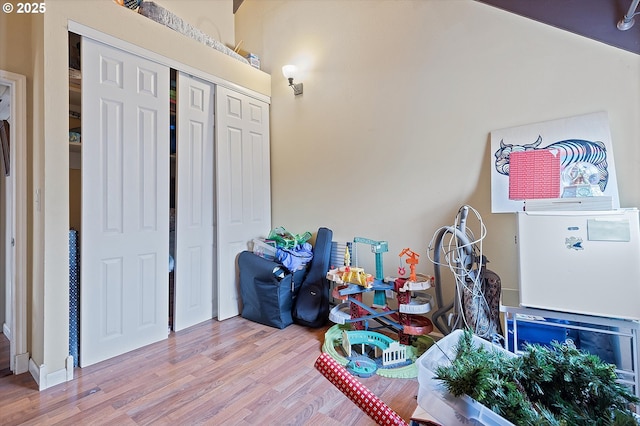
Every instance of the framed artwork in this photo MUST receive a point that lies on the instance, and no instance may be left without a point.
(4, 146)
(583, 138)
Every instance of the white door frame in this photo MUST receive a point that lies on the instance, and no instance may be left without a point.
(19, 357)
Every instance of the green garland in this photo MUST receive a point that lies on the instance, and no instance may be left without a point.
(545, 386)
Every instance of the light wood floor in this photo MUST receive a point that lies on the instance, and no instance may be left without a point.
(234, 372)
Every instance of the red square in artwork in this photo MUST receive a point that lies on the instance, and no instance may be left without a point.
(534, 174)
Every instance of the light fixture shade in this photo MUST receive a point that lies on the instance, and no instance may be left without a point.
(289, 71)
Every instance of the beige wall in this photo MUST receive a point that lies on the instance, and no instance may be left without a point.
(391, 135)
(17, 56)
(16, 38)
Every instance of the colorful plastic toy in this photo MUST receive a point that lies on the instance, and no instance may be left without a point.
(407, 320)
(412, 261)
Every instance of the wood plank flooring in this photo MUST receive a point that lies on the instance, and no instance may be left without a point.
(234, 372)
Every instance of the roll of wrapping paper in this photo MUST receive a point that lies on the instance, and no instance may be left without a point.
(357, 392)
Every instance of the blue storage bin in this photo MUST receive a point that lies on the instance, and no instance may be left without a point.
(606, 346)
(536, 333)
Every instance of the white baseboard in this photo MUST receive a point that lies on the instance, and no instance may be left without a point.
(46, 380)
(21, 363)
(36, 372)
(68, 363)
(6, 331)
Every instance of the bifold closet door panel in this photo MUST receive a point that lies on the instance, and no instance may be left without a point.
(243, 186)
(125, 200)
(194, 279)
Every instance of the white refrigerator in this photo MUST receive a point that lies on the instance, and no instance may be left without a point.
(584, 262)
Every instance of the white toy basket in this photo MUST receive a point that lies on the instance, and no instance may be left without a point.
(433, 396)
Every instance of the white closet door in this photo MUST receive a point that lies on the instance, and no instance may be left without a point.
(243, 186)
(194, 279)
(125, 202)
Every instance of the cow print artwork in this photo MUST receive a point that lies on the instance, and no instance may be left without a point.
(571, 151)
(578, 139)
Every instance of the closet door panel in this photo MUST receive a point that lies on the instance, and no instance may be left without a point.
(243, 186)
(194, 279)
(125, 199)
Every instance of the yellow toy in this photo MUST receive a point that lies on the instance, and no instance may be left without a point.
(357, 276)
(348, 274)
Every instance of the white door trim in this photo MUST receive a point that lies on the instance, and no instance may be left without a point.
(18, 137)
(85, 31)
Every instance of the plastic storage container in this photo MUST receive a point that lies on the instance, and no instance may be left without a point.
(263, 249)
(585, 336)
(433, 396)
(536, 333)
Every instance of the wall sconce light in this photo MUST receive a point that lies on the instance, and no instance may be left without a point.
(289, 71)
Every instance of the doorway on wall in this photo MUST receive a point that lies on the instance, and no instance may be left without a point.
(5, 223)
(13, 355)
(6, 229)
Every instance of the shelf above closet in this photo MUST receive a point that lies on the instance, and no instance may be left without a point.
(75, 146)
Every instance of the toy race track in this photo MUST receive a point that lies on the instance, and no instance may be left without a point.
(407, 320)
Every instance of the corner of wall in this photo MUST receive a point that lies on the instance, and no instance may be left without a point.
(45, 380)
